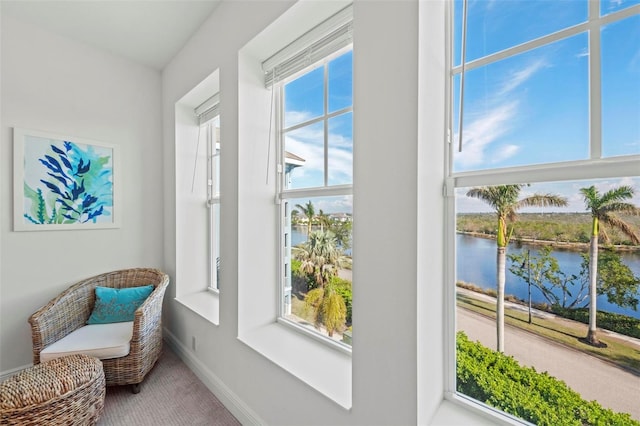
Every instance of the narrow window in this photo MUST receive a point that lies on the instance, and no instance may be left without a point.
(209, 117)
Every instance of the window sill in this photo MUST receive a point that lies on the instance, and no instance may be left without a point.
(309, 332)
(322, 367)
(457, 410)
(203, 303)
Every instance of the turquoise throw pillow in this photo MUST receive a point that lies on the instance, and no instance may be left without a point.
(117, 304)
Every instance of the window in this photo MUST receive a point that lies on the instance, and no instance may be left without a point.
(311, 88)
(545, 137)
(316, 148)
(304, 38)
(209, 119)
(197, 136)
(211, 130)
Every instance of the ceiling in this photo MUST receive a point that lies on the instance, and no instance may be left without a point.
(149, 32)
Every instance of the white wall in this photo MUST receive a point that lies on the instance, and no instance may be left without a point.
(398, 363)
(53, 84)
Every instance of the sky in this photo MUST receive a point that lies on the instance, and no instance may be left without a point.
(532, 108)
(304, 101)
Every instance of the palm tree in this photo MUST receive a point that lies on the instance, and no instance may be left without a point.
(504, 200)
(324, 220)
(309, 211)
(320, 258)
(603, 212)
(329, 308)
(294, 216)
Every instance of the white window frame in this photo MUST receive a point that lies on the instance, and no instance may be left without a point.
(592, 168)
(258, 219)
(213, 199)
(284, 195)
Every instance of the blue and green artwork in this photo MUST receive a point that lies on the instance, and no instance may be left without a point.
(67, 182)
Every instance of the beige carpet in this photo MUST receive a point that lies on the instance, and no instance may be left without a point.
(171, 395)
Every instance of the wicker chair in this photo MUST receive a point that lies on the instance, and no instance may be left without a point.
(64, 391)
(71, 309)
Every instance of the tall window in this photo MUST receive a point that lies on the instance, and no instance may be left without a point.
(543, 166)
(209, 117)
(315, 195)
(314, 106)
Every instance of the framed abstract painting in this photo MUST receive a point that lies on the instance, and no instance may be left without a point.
(63, 182)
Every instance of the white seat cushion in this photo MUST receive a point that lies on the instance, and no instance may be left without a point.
(103, 341)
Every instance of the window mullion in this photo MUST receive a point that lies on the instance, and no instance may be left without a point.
(318, 119)
(521, 48)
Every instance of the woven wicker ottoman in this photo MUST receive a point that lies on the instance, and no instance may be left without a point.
(64, 391)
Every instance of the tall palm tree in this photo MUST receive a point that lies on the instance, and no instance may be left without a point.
(309, 211)
(603, 209)
(504, 200)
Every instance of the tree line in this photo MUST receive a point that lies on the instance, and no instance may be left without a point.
(564, 229)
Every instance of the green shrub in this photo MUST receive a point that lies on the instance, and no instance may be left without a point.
(343, 288)
(300, 281)
(618, 323)
(499, 381)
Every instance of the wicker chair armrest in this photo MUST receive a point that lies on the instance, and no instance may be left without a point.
(148, 316)
(60, 316)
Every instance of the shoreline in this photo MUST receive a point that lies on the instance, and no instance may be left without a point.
(561, 245)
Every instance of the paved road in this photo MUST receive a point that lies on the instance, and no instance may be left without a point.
(593, 378)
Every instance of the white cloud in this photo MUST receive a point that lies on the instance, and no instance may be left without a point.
(308, 143)
(340, 165)
(343, 204)
(313, 154)
(494, 121)
(519, 77)
(504, 153)
(484, 131)
(295, 117)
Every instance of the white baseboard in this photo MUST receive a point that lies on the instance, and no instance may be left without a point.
(234, 404)
(4, 375)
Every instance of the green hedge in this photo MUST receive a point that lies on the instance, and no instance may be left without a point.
(499, 381)
(622, 324)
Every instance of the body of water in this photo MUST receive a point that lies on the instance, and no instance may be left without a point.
(476, 263)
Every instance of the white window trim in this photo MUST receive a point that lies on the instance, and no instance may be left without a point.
(193, 263)
(213, 197)
(258, 245)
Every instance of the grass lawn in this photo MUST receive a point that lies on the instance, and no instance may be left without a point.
(567, 332)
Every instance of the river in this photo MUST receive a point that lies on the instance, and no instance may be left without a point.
(476, 263)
